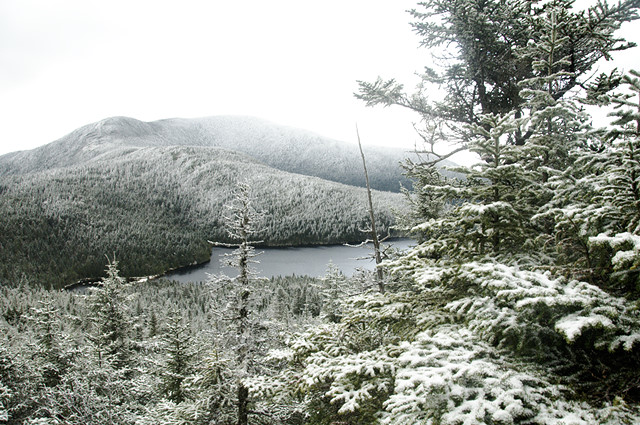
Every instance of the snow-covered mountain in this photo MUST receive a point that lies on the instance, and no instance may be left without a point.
(284, 148)
(153, 194)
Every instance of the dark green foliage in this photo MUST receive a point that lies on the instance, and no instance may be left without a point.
(324, 412)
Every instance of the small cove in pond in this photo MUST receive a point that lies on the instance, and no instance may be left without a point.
(308, 260)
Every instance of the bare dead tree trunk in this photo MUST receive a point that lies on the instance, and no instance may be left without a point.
(374, 232)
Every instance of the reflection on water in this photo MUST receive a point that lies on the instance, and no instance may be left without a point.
(311, 261)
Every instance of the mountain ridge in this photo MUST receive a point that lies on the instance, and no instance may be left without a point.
(155, 208)
(286, 148)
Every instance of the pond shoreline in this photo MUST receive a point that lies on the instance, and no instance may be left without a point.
(93, 281)
(310, 260)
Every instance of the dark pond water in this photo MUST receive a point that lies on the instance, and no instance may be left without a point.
(311, 261)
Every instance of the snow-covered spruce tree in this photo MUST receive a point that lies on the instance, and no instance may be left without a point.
(332, 290)
(595, 200)
(554, 124)
(107, 374)
(484, 72)
(616, 249)
(241, 221)
(481, 72)
(558, 136)
(489, 210)
(466, 334)
(53, 358)
(477, 343)
(510, 62)
(624, 171)
(423, 202)
(574, 212)
(110, 320)
(19, 380)
(343, 371)
(242, 336)
(490, 55)
(179, 355)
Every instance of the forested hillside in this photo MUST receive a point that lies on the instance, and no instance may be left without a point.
(156, 208)
(284, 148)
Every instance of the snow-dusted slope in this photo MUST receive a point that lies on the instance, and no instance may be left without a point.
(156, 207)
(285, 148)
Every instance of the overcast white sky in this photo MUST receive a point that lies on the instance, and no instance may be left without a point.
(67, 63)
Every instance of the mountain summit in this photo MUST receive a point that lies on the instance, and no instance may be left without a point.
(281, 147)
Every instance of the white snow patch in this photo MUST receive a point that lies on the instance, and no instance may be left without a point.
(573, 325)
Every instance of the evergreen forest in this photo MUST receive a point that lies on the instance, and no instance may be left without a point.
(156, 208)
(519, 304)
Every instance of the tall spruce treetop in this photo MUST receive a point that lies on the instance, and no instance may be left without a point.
(242, 222)
(624, 187)
(111, 320)
(481, 61)
(507, 72)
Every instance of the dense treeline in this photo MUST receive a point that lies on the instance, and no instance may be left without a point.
(134, 353)
(157, 208)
